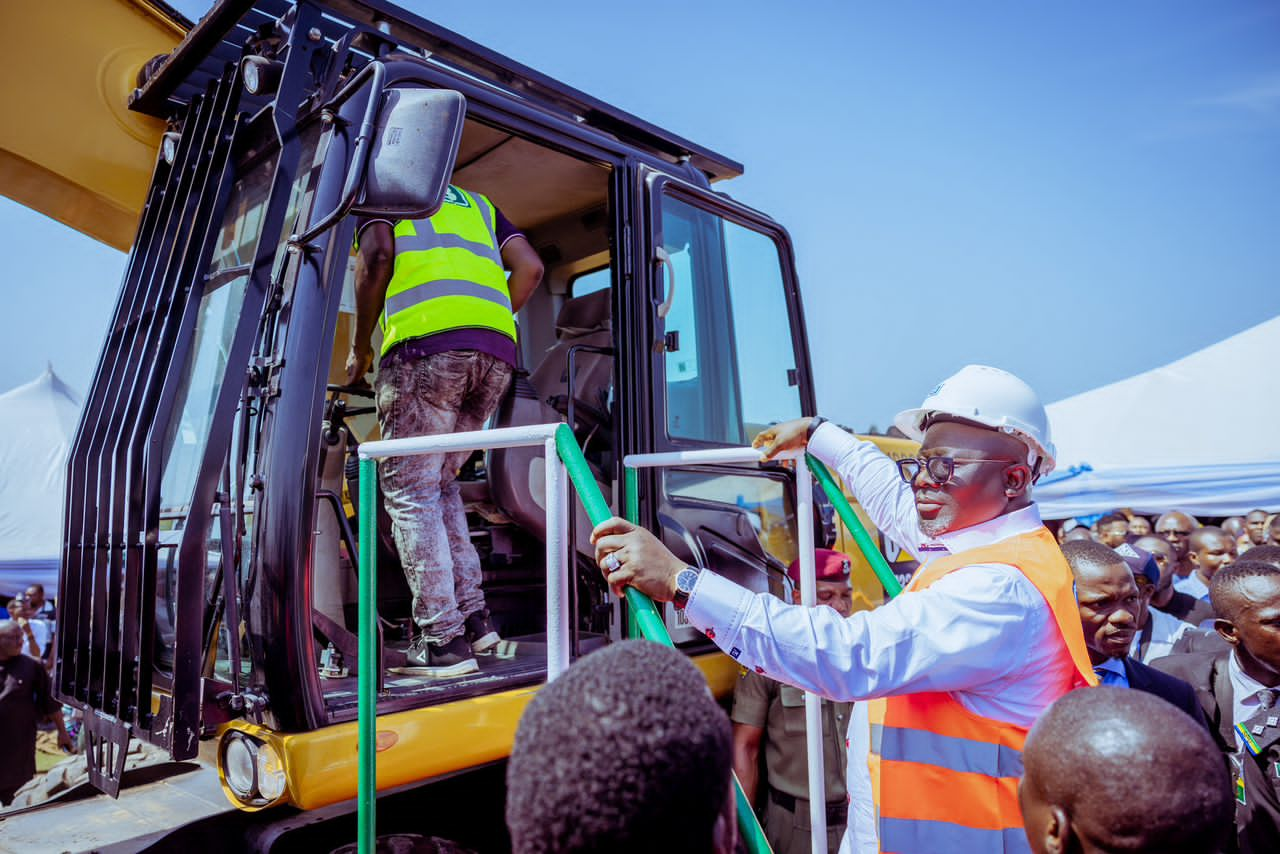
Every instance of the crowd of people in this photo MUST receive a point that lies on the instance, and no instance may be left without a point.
(1113, 690)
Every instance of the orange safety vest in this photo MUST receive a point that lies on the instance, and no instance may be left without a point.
(944, 778)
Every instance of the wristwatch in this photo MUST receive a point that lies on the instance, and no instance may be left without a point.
(816, 422)
(685, 579)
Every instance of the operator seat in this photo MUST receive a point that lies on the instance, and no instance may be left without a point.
(516, 476)
(583, 321)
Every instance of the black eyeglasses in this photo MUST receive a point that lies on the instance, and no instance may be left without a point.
(939, 469)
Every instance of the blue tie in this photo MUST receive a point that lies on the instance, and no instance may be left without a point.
(1109, 677)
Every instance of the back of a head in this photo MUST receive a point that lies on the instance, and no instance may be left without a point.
(1132, 773)
(1085, 555)
(1113, 519)
(1263, 554)
(1079, 534)
(627, 751)
(1225, 586)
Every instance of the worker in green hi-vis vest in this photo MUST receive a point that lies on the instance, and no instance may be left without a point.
(439, 290)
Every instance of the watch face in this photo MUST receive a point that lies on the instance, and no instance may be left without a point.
(686, 579)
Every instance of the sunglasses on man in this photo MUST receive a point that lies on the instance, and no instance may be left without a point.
(939, 469)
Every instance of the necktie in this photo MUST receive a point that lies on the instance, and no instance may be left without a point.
(1108, 677)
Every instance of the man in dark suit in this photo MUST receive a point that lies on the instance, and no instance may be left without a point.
(1108, 599)
(1237, 689)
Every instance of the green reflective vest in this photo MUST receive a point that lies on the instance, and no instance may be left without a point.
(448, 274)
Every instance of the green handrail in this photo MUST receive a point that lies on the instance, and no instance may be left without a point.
(640, 606)
(632, 508)
(865, 544)
(367, 784)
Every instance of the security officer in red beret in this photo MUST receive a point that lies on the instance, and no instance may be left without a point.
(769, 714)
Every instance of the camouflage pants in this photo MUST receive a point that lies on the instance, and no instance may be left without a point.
(448, 392)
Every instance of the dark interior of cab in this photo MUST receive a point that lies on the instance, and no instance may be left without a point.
(560, 202)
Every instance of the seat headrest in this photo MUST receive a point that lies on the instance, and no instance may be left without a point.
(585, 314)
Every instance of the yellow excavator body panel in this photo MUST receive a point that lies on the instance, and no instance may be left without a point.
(69, 146)
(415, 745)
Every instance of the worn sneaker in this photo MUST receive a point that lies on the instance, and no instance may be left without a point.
(481, 633)
(439, 661)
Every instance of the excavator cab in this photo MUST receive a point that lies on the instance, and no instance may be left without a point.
(210, 554)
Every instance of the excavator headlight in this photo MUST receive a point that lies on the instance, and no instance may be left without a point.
(240, 766)
(261, 75)
(169, 146)
(271, 779)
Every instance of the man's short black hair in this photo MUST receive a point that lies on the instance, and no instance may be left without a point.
(1083, 554)
(1265, 554)
(1196, 541)
(1112, 518)
(627, 751)
(1132, 771)
(1226, 583)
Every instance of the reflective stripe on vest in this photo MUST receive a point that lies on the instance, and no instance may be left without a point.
(944, 778)
(448, 274)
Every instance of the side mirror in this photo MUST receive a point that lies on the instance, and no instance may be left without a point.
(405, 145)
(415, 146)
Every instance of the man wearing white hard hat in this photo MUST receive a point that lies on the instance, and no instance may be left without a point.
(959, 666)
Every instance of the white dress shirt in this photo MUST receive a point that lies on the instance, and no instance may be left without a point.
(40, 631)
(1165, 631)
(1244, 696)
(1192, 586)
(983, 632)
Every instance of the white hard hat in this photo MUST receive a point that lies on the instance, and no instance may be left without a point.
(991, 398)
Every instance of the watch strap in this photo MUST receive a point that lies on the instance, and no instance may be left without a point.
(681, 597)
(816, 422)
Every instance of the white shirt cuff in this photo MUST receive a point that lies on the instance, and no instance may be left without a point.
(716, 608)
(830, 443)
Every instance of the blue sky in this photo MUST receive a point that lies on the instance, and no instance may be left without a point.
(1075, 192)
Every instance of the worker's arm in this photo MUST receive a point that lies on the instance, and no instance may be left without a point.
(53, 711)
(972, 627)
(752, 697)
(746, 757)
(64, 737)
(375, 261)
(869, 474)
(874, 480)
(519, 257)
(31, 646)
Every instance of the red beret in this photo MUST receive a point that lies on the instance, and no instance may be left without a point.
(827, 566)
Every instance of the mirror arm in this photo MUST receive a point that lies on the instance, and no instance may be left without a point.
(364, 142)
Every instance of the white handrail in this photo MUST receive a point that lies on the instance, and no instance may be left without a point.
(808, 597)
(498, 437)
(557, 501)
(706, 457)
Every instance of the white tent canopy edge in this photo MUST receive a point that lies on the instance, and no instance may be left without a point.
(39, 425)
(1151, 449)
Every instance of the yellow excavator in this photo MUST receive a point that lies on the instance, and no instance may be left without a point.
(208, 595)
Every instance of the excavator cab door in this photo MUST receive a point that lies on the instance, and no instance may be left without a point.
(728, 357)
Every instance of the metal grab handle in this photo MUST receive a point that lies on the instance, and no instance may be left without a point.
(865, 544)
(663, 257)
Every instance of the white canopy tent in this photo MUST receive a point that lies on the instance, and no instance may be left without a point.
(1201, 434)
(37, 423)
